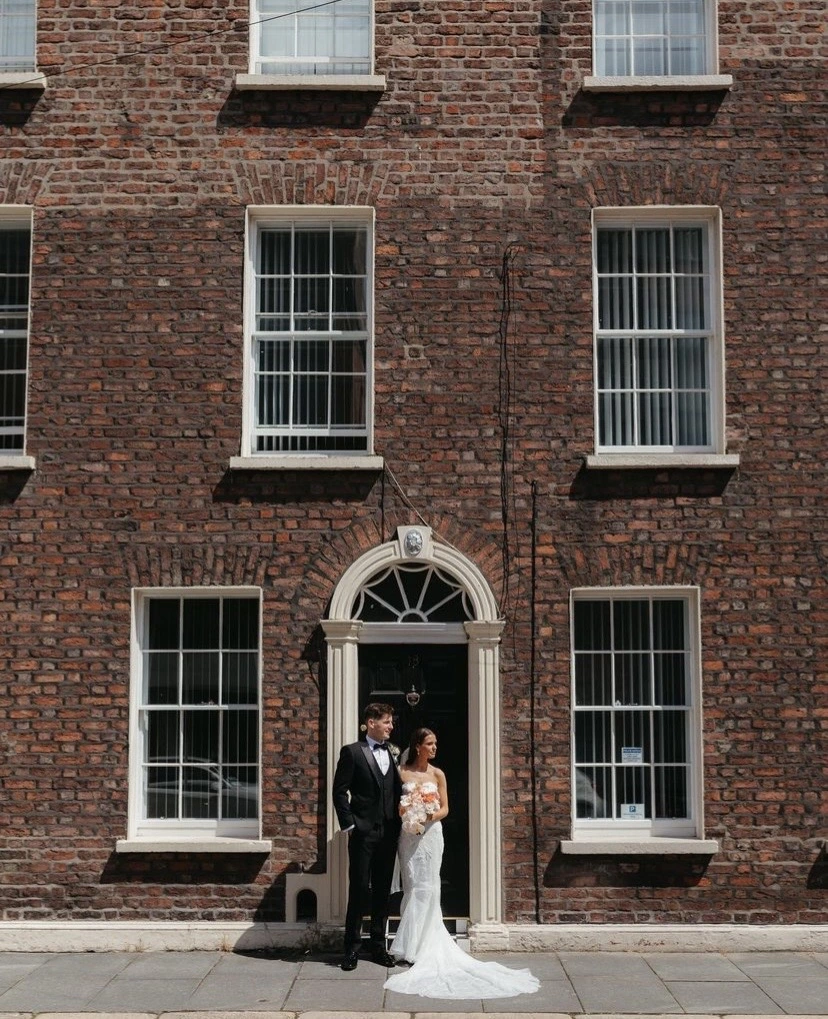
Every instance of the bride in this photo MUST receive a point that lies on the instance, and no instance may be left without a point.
(441, 969)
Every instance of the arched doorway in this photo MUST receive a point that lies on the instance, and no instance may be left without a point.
(416, 592)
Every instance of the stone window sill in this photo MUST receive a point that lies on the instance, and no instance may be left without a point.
(657, 461)
(16, 463)
(193, 845)
(659, 83)
(310, 82)
(640, 847)
(302, 462)
(33, 80)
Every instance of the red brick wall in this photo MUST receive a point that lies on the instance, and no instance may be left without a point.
(139, 169)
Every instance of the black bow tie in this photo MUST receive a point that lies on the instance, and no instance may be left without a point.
(380, 746)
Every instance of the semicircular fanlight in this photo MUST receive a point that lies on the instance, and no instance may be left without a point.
(412, 594)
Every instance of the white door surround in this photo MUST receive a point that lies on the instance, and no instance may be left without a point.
(415, 544)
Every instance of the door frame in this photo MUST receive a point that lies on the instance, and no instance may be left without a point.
(343, 635)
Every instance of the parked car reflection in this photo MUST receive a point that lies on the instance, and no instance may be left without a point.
(204, 790)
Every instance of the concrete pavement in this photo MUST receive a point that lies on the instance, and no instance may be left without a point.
(220, 985)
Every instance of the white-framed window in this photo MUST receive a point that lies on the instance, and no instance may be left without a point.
(293, 37)
(17, 35)
(636, 729)
(195, 725)
(654, 38)
(309, 315)
(15, 278)
(659, 344)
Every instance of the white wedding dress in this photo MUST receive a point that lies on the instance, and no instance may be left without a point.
(441, 969)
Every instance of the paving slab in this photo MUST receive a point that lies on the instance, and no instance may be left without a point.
(777, 964)
(807, 993)
(152, 995)
(723, 997)
(235, 992)
(693, 966)
(350, 996)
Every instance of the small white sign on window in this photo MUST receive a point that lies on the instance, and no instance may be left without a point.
(632, 811)
(632, 755)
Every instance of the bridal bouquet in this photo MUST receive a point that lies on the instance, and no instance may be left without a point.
(419, 804)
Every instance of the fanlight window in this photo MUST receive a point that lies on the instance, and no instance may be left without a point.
(412, 594)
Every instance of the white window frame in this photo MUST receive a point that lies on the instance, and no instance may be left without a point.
(20, 74)
(20, 217)
(647, 835)
(708, 79)
(208, 834)
(709, 217)
(256, 79)
(304, 216)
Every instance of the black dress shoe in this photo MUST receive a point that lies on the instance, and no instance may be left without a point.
(350, 961)
(382, 958)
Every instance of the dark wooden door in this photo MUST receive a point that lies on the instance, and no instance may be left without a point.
(438, 674)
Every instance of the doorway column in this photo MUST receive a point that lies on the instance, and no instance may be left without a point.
(331, 887)
(486, 903)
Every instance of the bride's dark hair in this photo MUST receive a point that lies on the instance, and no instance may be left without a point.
(414, 742)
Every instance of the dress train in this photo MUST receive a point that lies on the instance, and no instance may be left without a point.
(441, 969)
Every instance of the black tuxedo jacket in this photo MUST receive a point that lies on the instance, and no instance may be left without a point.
(357, 797)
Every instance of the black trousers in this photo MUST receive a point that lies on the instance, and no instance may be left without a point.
(371, 858)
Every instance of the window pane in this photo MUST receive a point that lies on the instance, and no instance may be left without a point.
(632, 735)
(632, 679)
(273, 400)
(615, 363)
(201, 742)
(593, 737)
(240, 624)
(241, 737)
(648, 17)
(655, 302)
(612, 17)
(164, 617)
(201, 623)
(692, 419)
(310, 400)
(240, 793)
(671, 792)
(593, 792)
(632, 793)
(631, 624)
(593, 679)
(201, 678)
(615, 302)
(162, 736)
(668, 624)
(670, 678)
(670, 737)
(592, 626)
(654, 362)
(312, 253)
(655, 419)
(616, 419)
(241, 677)
(162, 790)
(161, 678)
(200, 788)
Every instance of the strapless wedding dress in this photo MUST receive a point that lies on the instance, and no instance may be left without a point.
(441, 969)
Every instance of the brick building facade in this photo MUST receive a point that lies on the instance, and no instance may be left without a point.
(536, 283)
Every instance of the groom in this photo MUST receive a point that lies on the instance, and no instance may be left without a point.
(366, 797)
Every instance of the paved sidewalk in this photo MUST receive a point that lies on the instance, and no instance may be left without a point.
(180, 985)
